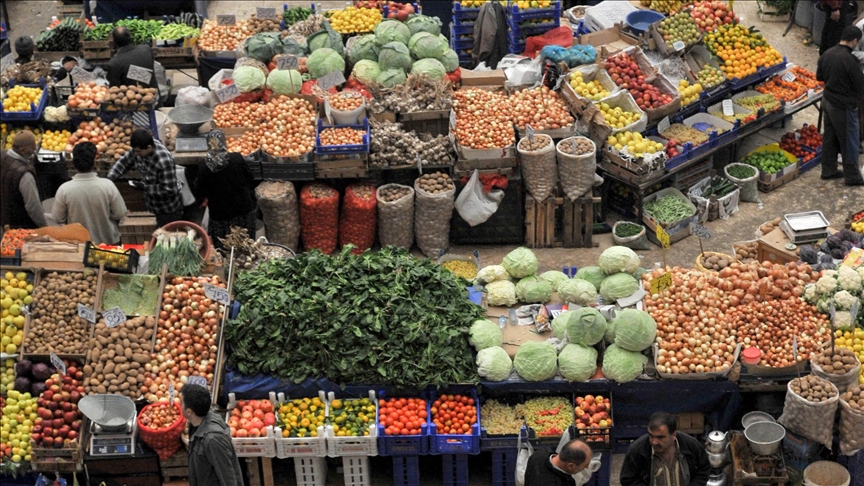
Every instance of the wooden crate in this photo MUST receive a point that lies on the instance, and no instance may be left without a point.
(559, 222)
(691, 423)
(347, 167)
(503, 165)
(64, 460)
(175, 467)
(433, 122)
(137, 228)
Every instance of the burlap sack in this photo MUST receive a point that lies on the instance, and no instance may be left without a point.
(576, 172)
(842, 382)
(814, 421)
(538, 168)
(432, 213)
(396, 219)
(851, 429)
(278, 203)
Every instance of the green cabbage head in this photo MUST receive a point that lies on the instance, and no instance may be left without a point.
(532, 290)
(363, 48)
(618, 286)
(248, 78)
(494, 364)
(501, 293)
(284, 81)
(536, 361)
(592, 274)
(555, 278)
(585, 325)
(326, 37)
(635, 330)
(366, 71)
(610, 332)
(392, 30)
(577, 362)
(520, 262)
(324, 61)
(431, 68)
(263, 46)
(424, 45)
(424, 23)
(394, 55)
(617, 259)
(577, 291)
(450, 60)
(391, 77)
(622, 365)
(485, 334)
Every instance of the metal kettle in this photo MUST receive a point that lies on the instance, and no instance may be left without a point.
(717, 442)
(718, 479)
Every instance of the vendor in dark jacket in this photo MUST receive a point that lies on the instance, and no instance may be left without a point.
(550, 469)
(225, 182)
(665, 457)
(212, 460)
(127, 55)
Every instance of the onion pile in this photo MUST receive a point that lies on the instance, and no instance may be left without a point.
(160, 417)
(345, 101)
(483, 119)
(244, 144)
(220, 37)
(242, 114)
(341, 136)
(284, 127)
(540, 108)
(185, 337)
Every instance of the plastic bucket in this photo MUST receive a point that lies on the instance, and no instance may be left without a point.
(347, 117)
(826, 473)
(804, 14)
(161, 123)
(819, 17)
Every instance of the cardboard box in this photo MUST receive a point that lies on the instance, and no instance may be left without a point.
(483, 78)
(608, 42)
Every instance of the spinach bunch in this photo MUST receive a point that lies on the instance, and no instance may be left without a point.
(377, 318)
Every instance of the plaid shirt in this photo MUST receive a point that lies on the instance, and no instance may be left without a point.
(161, 187)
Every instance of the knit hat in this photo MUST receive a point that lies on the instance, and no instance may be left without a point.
(24, 46)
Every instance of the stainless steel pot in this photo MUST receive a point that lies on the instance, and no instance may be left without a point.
(717, 442)
(717, 479)
(755, 417)
(718, 460)
(765, 437)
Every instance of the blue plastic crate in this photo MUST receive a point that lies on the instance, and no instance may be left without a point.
(504, 467)
(462, 27)
(362, 148)
(406, 470)
(12, 261)
(464, 13)
(582, 29)
(552, 12)
(514, 46)
(401, 445)
(459, 44)
(455, 468)
(715, 95)
(526, 30)
(761, 73)
(814, 162)
(497, 442)
(36, 110)
(458, 444)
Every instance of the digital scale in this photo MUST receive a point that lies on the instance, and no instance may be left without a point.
(805, 227)
(188, 119)
(113, 443)
(112, 424)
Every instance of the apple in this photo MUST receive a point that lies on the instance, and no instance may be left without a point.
(70, 417)
(73, 435)
(76, 425)
(47, 441)
(57, 423)
(47, 395)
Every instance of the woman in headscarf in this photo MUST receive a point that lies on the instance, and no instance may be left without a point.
(225, 182)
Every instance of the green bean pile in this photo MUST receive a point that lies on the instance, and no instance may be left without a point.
(668, 209)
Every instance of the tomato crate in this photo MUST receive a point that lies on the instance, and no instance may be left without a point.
(401, 445)
(115, 261)
(516, 15)
(455, 443)
(361, 148)
(300, 447)
(252, 446)
(12, 260)
(348, 446)
(814, 162)
(36, 109)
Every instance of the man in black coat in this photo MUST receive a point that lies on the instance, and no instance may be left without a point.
(665, 457)
(549, 469)
(127, 55)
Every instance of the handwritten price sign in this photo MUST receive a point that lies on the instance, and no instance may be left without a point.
(678, 45)
(197, 380)
(700, 231)
(114, 317)
(265, 13)
(661, 283)
(331, 79)
(662, 236)
(226, 20)
(142, 75)
(86, 313)
(728, 109)
(228, 93)
(529, 130)
(57, 363)
(217, 294)
(287, 62)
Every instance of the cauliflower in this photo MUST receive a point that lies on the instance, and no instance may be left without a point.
(860, 271)
(827, 284)
(810, 294)
(824, 305)
(843, 300)
(842, 320)
(848, 279)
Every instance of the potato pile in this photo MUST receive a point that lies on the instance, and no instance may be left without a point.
(55, 324)
(130, 96)
(391, 194)
(746, 252)
(715, 261)
(813, 389)
(118, 356)
(841, 362)
(118, 143)
(769, 226)
(539, 142)
(854, 397)
(435, 183)
(583, 146)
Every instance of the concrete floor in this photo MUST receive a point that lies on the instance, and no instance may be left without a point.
(835, 200)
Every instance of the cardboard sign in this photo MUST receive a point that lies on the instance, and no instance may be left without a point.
(226, 20)
(86, 313)
(171, 392)
(728, 109)
(661, 283)
(81, 75)
(663, 125)
(788, 77)
(700, 231)
(265, 13)
(217, 294)
(228, 93)
(678, 45)
(287, 62)
(662, 236)
(137, 73)
(57, 363)
(197, 380)
(330, 80)
(530, 132)
(114, 317)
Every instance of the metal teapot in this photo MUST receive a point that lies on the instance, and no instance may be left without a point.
(718, 460)
(717, 442)
(718, 479)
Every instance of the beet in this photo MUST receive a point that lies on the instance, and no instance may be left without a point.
(23, 367)
(41, 372)
(37, 388)
(22, 384)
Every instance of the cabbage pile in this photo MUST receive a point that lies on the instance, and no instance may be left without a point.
(415, 47)
(592, 274)
(618, 286)
(585, 325)
(532, 290)
(363, 48)
(366, 71)
(635, 330)
(284, 81)
(324, 61)
(618, 259)
(555, 278)
(622, 365)
(577, 362)
(248, 78)
(577, 291)
(536, 361)
(520, 263)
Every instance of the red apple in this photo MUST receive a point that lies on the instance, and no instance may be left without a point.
(70, 417)
(76, 425)
(47, 441)
(57, 423)
(73, 435)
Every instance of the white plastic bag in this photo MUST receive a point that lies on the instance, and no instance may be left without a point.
(476, 206)
(194, 95)
(215, 83)
(525, 452)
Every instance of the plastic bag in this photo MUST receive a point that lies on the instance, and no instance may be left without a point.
(560, 36)
(319, 217)
(476, 206)
(525, 452)
(194, 95)
(814, 421)
(215, 83)
(635, 242)
(851, 427)
(583, 476)
(357, 221)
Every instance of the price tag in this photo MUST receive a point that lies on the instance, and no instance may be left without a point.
(661, 283)
(419, 164)
(452, 118)
(287, 62)
(142, 75)
(700, 231)
(265, 13)
(331, 79)
(530, 132)
(228, 93)
(197, 380)
(663, 125)
(86, 313)
(678, 45)
(217, 294)
(171, 392)
(728, 109)
(26, 310)
(57, 363)
(81, 75)
(788, 77)
(114, 317)
(226, 20)
(662, 236)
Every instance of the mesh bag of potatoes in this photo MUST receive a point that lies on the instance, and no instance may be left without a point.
(852, 420)
(433, 207)
(840, 367)
(278, 203)
(395, 215)
(577, 163)
(539, 171)
(118, 357)
(809, 410)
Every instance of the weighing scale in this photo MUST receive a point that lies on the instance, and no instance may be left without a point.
(113, 430)
(802, 227)
(189, 119)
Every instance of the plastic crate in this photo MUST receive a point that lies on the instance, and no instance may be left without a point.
(504, 467)
(759, 75)
(406, 470)
(551, 12)
(455, 468)
(515, 46)
(458, 444)
(12, 261)
(362, 148)
(352, 446)
(106, 256)
(462, 28)
(355, 470)
(814, 162)
(525, 30)
(252, 446)
(299, 446)
(462, 13)
(310, 471)
(457, 44)
(36, 109)
(304, 171)
(401, 445)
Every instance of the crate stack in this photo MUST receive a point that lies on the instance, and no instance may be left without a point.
(462, 33)
(526, 22)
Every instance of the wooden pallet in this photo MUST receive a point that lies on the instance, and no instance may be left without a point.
(558, 222)
(351, 167)
(778, 183)
(175, 467)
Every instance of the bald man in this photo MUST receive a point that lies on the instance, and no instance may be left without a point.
(20, 204)
(550, 469)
